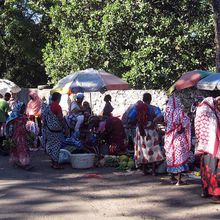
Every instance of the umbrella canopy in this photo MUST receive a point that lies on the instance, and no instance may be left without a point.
(8, 86)
(189, 79)
(210, 82)
(90, 80)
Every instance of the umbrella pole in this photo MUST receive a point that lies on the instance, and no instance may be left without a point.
(90, 97)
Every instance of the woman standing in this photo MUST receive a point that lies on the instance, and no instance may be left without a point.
(34, 105)
(33, 109)
(177, 139)
(146, 141)
(207, 129)
(16, 129)
(54, 126)
(107, 110)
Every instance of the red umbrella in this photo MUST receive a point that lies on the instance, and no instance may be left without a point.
(189, 79)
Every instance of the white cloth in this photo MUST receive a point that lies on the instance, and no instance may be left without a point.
(80, 119)
(74, 108)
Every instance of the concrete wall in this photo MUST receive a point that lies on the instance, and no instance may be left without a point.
(121, 99)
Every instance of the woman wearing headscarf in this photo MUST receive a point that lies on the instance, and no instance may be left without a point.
(33, 109)
(34, 105)
(207, 130)
(177, 139)
(146, 141)
(107, 110)
(16, 129)
(54, 126)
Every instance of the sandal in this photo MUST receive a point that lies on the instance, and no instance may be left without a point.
(181, 183)
(173, 180)
(204, 194)
(57, 166)
(215, 199)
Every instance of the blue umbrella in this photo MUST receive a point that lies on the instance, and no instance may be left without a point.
(210, 82)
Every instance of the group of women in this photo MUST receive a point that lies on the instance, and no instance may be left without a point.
(177, 141)
(147, 149)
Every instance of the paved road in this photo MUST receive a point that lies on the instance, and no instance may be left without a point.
(44, 193)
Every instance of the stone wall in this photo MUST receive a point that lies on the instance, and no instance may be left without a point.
(121, 99)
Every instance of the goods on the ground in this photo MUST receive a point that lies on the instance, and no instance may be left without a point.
(122, 162)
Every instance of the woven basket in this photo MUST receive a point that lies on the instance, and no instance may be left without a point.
(82, 161)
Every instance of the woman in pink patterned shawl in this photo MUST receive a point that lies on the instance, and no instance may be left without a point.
(34, 105)
(207, 130)
(177, 139)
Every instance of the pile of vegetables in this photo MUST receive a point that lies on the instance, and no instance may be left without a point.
(122, 162)
(70, 148)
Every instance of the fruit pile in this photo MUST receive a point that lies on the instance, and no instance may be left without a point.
(122, 162)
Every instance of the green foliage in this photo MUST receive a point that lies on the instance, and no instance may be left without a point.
(149, 43)
(21, 42)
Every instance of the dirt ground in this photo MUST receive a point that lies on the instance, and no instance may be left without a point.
(100, 193)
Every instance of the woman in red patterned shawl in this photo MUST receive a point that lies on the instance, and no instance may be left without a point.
(16, 130)
(207, 129)
(177, 139)
(146, 141)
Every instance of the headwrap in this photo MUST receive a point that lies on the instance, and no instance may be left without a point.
(142, 112)
(34, 105)
(207, 127)
(16, 112)
(79, 95)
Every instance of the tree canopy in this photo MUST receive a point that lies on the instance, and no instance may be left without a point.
(148, 43)
(21, 42)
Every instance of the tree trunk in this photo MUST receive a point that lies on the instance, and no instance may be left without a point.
(216, 9)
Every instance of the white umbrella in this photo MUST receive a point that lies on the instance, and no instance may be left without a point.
(8, 86)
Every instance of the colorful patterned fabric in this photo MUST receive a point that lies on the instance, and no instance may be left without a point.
(178, 134)
(142, 113)
(51, 140)
(179, 169)
(16, 123)
(16, 112)
(207, 128)
(210, 174)
(33, 129)
(20, 153)
(147, 148)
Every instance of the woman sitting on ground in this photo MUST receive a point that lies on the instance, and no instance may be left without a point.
(115, 135)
